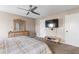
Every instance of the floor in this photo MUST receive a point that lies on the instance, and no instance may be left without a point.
(59, 48)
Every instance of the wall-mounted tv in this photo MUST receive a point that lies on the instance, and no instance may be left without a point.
(52, 23)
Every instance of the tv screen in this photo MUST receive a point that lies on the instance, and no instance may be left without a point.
(51, 23)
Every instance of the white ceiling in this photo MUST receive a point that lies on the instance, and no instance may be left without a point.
(44, 10)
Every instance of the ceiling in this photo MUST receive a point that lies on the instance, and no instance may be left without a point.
(44, 10)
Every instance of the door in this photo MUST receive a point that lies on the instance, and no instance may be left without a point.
(72, 29)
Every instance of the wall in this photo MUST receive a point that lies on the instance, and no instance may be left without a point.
(40, 28)
(6, 23)
(60, 32)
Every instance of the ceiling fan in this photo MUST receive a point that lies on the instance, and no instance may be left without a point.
(30, 10)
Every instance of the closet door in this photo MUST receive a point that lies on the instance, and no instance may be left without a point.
(72, 29)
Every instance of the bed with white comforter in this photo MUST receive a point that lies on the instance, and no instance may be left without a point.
(23, 45)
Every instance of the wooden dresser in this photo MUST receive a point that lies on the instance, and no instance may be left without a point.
(18, 33)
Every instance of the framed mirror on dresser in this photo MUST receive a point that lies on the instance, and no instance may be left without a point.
(19, 28)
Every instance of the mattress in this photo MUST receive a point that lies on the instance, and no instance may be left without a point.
(23, 45)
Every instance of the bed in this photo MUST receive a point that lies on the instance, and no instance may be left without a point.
(23, 45)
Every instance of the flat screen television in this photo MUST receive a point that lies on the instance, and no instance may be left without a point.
(52, 21)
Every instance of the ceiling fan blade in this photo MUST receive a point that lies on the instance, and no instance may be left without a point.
(22, 9)
(35, 12)
(34, 8)
(27, 13)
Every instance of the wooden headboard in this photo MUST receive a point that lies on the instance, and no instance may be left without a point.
(18, 33)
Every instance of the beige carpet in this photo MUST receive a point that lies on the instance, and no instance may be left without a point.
(61, 48)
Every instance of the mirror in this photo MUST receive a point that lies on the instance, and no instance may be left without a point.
(19, 25)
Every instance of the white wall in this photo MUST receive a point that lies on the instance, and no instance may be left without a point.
(40, 28)
(6, 23)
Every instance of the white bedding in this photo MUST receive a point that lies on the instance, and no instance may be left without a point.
(23, 45)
